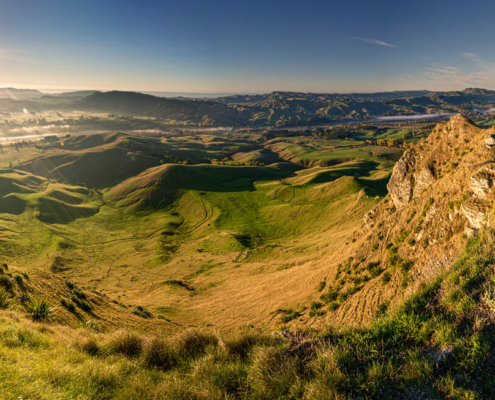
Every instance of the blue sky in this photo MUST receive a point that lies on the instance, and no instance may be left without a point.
(247, 46)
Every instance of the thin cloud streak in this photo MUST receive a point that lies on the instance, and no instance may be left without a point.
(373, 41)
(439, 77)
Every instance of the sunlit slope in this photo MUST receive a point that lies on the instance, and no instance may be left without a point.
(199, 244)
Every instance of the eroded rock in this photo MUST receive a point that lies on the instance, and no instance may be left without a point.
(401, 182)
(424, 179)
(476, 214)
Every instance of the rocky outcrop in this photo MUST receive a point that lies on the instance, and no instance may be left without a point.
(401, 182)
(490, 141)
(424, 179)
(476, 214)
(482, 183)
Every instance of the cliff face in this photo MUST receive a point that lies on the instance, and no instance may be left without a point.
(441, 192)
(460, 153)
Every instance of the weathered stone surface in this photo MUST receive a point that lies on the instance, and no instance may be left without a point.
(369, 219)
(424, 179)
(471, 232)
(490, 140)
(401, 182)
(476, 214)
(482, 183)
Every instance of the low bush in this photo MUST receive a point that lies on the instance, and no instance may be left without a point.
(39, 309)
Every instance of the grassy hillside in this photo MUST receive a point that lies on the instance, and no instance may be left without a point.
(205, 228)
(438, 344)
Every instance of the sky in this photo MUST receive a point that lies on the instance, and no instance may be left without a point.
(247, 46)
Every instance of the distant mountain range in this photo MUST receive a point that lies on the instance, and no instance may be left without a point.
(281, 109)
(19, 94)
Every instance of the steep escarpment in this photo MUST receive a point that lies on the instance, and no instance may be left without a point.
(440, 193)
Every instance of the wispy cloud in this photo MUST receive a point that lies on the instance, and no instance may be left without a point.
(480, 73)
(373, 41)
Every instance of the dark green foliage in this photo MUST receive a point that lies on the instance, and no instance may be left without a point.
(288, 315)
(427, 206)
(82, 304)
(142, 312)
(39, 309)
(330, 296)
(321, 286)
(18, 278)
(374, 268)
(69, 305)
(23, 297)
(386, 277)
(7, 282)
(5, 299)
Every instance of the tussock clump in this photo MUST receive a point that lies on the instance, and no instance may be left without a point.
(159, 353)
(90, 345)
(127, 343)
(273, 374)
(240, 345)
(193, 342)
(219, 376)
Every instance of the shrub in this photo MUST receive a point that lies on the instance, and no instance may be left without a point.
(127, 343)
(288, 315)
(427, 206)
(5, 299)
(386, 277)
(39, 309)
(374, 247)
(79, 293)
(321, 286)
(142, 312)
(6, 282)
(317, 313)
(69, 305)
(23, 297)
(82, 304)
(330, 296)
(19, 279)
(70, 284)
(374, 269)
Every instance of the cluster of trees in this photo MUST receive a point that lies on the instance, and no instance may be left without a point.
(228, 161)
